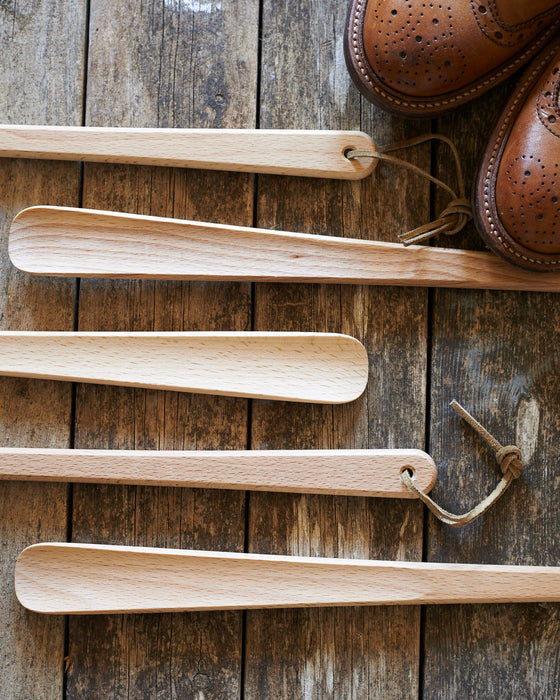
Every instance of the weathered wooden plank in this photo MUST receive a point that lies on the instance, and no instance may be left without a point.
(495, 353)
(41, 67)
(164, 64)
(336, 653)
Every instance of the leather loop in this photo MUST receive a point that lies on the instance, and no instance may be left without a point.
(509, 459)
(455, 215)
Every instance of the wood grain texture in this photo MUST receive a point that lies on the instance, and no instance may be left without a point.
(41, 67)
(73, 579)
(273, 151)
(315, 367)
(371, 652)
(164, 65)
(78, 242)
(496, 353)
(373, 473)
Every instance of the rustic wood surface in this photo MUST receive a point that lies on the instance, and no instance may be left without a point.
(264, 64)
(41, 79)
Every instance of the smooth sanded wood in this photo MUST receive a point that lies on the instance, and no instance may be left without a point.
(89, 243)
(72, 578)
(342, 472)
(330, 368)
(274, 151)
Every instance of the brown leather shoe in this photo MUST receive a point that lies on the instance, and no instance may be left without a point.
(516, 195)
(417, 58)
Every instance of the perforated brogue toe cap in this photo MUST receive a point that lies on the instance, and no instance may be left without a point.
(427, 57)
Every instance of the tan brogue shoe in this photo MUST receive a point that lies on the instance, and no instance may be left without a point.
(516, 195)
(416, 58)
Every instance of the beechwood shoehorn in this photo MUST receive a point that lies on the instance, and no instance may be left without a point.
(82, 578)
(311, 367)
(86, 243)
(273, 151)
(373, 473)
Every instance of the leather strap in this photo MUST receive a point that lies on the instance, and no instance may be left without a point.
(455, 215)
(509, 459)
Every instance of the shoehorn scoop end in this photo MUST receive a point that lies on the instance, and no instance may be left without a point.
(67, 578)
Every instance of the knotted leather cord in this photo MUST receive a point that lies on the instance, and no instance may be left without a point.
(509, 459)
(455, 215)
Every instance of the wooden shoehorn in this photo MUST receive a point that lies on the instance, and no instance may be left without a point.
(86, 243)
(310, 367)
(374, 473)
(82, 578)
(272, 151)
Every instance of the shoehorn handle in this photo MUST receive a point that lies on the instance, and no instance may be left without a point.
(338, 472)
(70, 578)
(272, 151)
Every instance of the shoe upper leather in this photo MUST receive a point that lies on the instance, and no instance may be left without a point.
(527, 187)
(429, 49)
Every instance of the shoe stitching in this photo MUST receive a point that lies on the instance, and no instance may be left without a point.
(491, 163)
(390, 98)
(520, 25)
(428, 105)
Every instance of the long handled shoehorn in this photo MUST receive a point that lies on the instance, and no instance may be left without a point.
(80, 578)
(69, 578)
(86, 243)
(308, 367)
(386, 473)
(371, 473)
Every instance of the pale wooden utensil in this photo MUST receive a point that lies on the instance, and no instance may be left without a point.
(85, 243)
(311, 367)
(273, 151)
(83, 578)
(340, 472)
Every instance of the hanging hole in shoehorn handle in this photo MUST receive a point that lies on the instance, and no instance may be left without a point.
(271, 151)
(374, 473)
